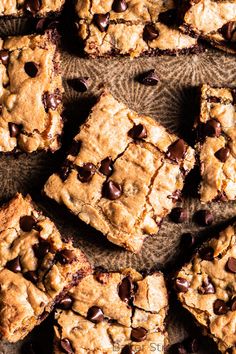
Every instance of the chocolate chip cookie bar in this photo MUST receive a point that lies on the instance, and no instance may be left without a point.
(41, 8)
(121, 312)
(216, 144)
(207, 288)
(130, 27)
(212, 20)
(123, 173)
(30, 93)
(37, 268)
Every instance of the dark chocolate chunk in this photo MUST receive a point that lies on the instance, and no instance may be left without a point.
(207, 253)
(206, 288)
(179, 215)
(31, 276)
(222, 154)
(27, 223)
(212, 128)
(14, 265)
(4, 56)
(66, 346)
(66, 256)
(119, 6)
(233, 304)
(31, 69)
(127, 350)
(138, 132)
(150, 32)
(231, 265)
(220, 307)
(125, 289)
(187, 241)
(66, 303)
(111, 190)
(86, 172)
(228, 30)
(14, 129)
(51, 101)
(41, 249)
(75, 148)
(181, 285)
(138, 334)
(102, 21)
(33, 6)
(177, 150)
(106, 167)
(203, 217)
(65, 170)
(149, 78)
(95, 314)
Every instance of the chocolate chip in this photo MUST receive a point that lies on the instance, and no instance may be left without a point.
(207, 253)
(119, 6)
(31, 69)
(111, 190)
(66, 303)
(222, 154)
(33, 6)
(27, 223)
(191, 344)
(187, 241)
(95, 314)
(179, 215)
(181, 285)
(203, 217)
(65, 170)
(228, 30)
(138, 334)
(41, 249)
(150, 33)
(231, 265)
(4, 56)
(14, 265)
(31, 276)
(220, 307)
(125, 289)
(66, 256)
(127, 350)
(138, 132)
(177, 150)
(86, 172)
(212, 128)
(51, 101)
(80, 84)
(233, 304)
(66, 346)
(75, 148)
(106, 167)
(149, 78)
(102, 21)
(206, 288)
(168, 17)
(14, 129)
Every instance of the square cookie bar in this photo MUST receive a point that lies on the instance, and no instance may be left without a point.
(131, 27)
(212, 20)
(207, 288)
(123, 173)
(121, 312)
(36, 267)
(30, 93)
(216, 146)
(41, 8)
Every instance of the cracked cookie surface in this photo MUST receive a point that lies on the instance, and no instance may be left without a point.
(30, 94)
(18, 8)
(216, 134)
(120, 312)
(123, 173)
(206, 287)
(36, 267)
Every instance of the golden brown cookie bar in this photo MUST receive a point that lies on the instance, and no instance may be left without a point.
(123, 173)
(121, 312)
(36, 267)
(213, 20)
(207, 288)
(18, 8)
(30, 93)
(216, 136)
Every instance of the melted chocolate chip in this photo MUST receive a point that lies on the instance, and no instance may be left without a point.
(206, 288)
(177, 150)
(149, 78)
(150, 32)
(207, 254)
(203, 217)
(222, 154)
(4, 56)
(168, 17)
(127, 350)
(119, 6)
(187, 241)
(138, 132)
(27, 223)
(220, 307)
(14, 265)
(65, 170)
(181, 285)
(231, 265)
(95, 314)
(102, 21)
(41, 249)
(66, 256)
(31, 276)
(86, 172)
(33, 6)
(212, 128)
(75, 148)
(106, 167)
(111, 190)
(14, 129)
(138, 334)
(233, 304)
(66, 346)
(179, 215)
(228, 30)
(51, 101)
(31, 69)
(125, 289)
(66, 303)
